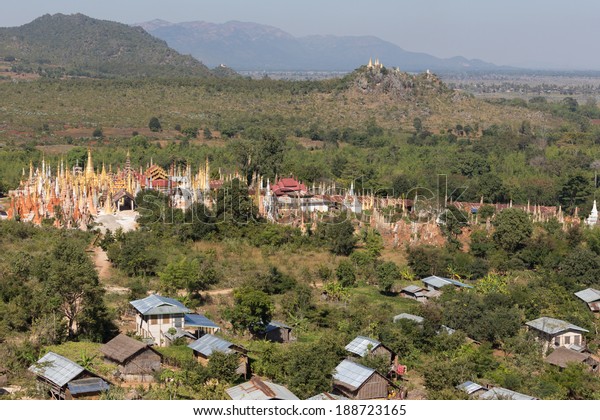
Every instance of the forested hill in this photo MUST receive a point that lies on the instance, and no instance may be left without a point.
(77, 45)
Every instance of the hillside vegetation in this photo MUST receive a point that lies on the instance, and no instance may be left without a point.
(77, 45)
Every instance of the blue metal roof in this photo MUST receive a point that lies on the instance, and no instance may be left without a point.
(352, 374)
(207, 344)
(156, 305)
(197, 320)
(56, 369)
(360, 345)
(87, 385)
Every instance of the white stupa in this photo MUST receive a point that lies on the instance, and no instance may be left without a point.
(593, 217)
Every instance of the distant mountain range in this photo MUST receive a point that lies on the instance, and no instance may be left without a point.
(82, 46)
(246, 46)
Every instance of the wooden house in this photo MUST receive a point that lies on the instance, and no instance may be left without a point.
(136, 361)
(562, 356)
(553, 333)
(592, 298)
(363, 346)
(359, 382)
(258, 390)
(206, 345)
(66, 380)
(418, 293)
(278, 332)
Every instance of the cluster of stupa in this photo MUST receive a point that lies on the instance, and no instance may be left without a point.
(376, 65)
(74, 197)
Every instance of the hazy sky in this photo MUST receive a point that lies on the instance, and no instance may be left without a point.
(553, 34)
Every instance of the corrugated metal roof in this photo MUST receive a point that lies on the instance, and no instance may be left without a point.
(257, 389)
(498, 393)
(326, 396)
(437, 281)
(87, 385)
(412, 289)
(352, 373)
(553, 325)
(197, 320)
(179, 332)
(360, 345)
(273, 325)
(416, 318)
(207, 344)
(157, 305)
(470, 387)
(56, 369)
(448, 330)
(588, 295)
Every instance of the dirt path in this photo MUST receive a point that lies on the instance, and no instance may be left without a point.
(218, 292)
(103, 266)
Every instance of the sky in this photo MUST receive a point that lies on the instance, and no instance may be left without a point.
(547, 34)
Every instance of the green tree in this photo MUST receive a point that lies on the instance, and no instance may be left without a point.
(452, 221)
(178, 274)
(387, 275)
(373, 242)
(575, 191)
(345, 274)
(513, 228)
(154, 125)
(70, 282)
(252, 310)
(339, 236)
(223, 366)
(234, 205)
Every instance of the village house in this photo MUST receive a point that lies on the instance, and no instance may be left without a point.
(364, 346)
(418, 293)
(436, 283)
(498, 393)
(278, 332)
(472, 389)
(66, 380)
(256, 390)
(155, 315)
(326, 396)
(136, 361)
(359, 382)
(553, 333)
(409, 317)
(206, 345)
(199, 325)
(591, 297)
(562, 356)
